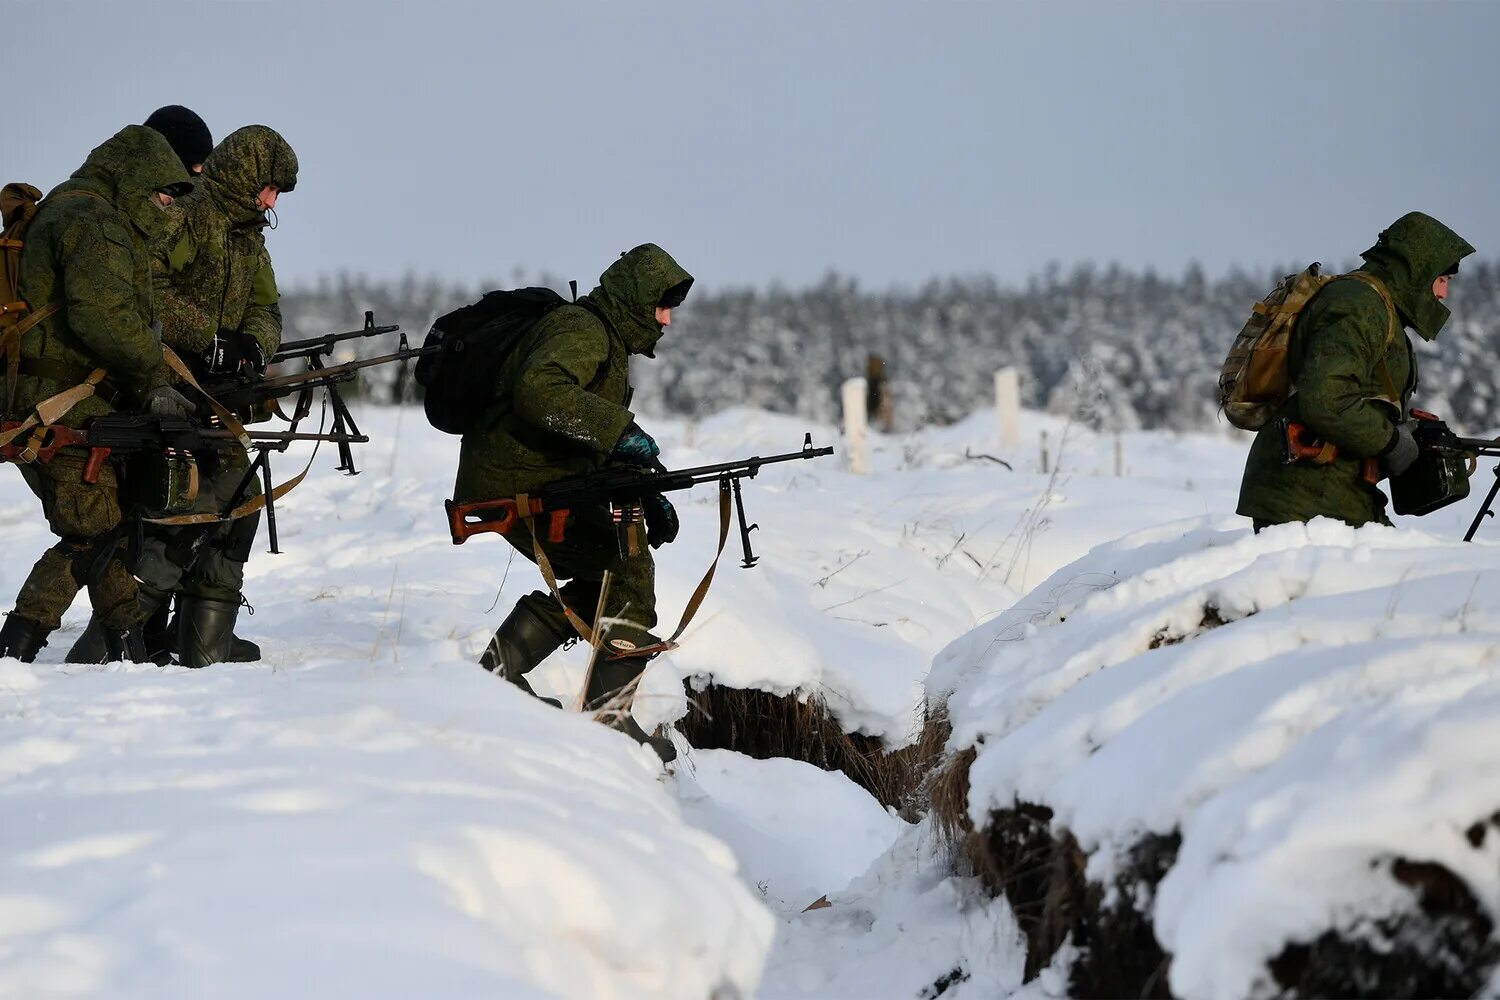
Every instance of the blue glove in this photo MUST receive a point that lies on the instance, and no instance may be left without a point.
(661, 520)
(635, 446)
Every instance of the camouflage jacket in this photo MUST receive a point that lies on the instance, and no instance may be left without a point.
(1339, 388)
(87, 250)
(212, 270)
(565, 390)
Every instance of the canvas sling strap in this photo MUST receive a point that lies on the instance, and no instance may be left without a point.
(1392, 327)
(233, 424)
(53, 408)
(693, 604)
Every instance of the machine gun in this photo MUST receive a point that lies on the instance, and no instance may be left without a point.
(620, 487)
(164, 476)
(244, 393)
(1438, 477)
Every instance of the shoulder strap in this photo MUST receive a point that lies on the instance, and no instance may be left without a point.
(1392, 327)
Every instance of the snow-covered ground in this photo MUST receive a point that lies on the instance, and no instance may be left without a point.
(366, 813)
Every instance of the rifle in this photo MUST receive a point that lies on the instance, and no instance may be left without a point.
(172, 440)
(143, 432)
(243, 392)
(320, 346)
(620, 487)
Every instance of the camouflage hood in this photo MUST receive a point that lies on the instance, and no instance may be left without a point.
(242, 165)
(1409, 257)
(128, 169)
(632, 287)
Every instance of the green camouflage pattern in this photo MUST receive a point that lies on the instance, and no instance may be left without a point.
(212, 269)
(567, 383)
(217, 571)
(88, 251)
(1339, 391)
(563, 408)
(78, 513)
(1409, 257)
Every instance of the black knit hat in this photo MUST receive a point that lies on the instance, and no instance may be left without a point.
(185, 132)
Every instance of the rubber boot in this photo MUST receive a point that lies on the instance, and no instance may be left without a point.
(240, 650)
(205, 631)
(520, 644)
(90, 646)
(22, 638)
(610, 676)
(124, 645)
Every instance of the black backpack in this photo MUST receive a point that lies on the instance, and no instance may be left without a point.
(462, 378)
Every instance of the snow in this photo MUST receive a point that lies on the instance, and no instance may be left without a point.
(1339, 721)
(366, 812)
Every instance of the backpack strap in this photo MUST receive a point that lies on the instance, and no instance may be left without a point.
(10, 345)
(1392, 326)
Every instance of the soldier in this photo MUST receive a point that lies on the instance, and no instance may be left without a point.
(1354, 371)
(186, 133)
(87, 254)
(565, 413)
(219, 309)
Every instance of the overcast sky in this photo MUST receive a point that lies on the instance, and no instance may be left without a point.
(772, 141)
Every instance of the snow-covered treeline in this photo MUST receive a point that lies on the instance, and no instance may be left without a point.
(1146, 347)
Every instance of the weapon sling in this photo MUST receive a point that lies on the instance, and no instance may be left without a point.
(693, 604)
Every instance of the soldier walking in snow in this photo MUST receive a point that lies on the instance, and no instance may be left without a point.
(562, 410)
(219, 310)
(1352, 372)
(86, 259)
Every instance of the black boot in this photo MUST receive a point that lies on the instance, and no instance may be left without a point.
(520, 644)
(607, 684)
(90, 646)
(22, 638)
(124, 644)
(165, 641)
(205, 632)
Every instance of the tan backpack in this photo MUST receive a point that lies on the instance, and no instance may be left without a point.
(1255, 379)
(18, 204)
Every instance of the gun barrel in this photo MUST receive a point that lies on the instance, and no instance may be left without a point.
(617, 484)
(1481, 445)
(294, 349)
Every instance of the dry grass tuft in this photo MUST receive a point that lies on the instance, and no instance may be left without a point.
(764, 725)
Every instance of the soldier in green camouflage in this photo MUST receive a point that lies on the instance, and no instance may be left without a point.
(219, 309)
(1353, 374)
(87, 254)
(565, 412)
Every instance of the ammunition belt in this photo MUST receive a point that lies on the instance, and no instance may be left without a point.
(65, 374)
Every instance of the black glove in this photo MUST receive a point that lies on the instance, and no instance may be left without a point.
(1402, 450)
(231, 350)
(635, 446)
(165, 401)
(661, 520)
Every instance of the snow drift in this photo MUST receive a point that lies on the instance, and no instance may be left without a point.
(1296, 730)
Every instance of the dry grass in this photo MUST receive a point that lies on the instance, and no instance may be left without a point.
(764, 725)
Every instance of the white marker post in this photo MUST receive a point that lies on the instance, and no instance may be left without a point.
(856, 420)
(1008, 406)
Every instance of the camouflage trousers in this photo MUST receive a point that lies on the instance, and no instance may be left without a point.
(90, 550)
(204, 560)
(588, 549)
